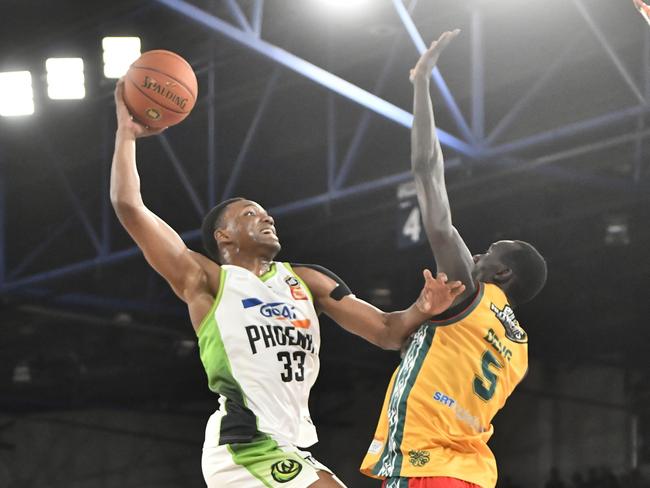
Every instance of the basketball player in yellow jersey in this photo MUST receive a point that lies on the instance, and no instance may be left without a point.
(462, 365)
(643, 8)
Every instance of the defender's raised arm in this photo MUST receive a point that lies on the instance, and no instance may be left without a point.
(427, 164)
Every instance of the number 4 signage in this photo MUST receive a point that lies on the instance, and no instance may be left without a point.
(409, 222)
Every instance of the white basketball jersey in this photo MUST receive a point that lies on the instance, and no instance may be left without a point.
(259, 345)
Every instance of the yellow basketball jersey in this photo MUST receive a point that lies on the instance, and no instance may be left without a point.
(454, 377)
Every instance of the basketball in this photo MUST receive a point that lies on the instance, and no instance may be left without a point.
(160, 89)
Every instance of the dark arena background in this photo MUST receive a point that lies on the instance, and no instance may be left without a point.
(304, 106)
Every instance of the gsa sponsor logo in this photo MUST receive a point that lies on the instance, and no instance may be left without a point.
(277, 310)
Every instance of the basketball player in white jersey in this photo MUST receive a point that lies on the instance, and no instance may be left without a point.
(257, 326)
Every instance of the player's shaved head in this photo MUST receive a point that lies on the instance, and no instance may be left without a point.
(529, 272)
(516, 266)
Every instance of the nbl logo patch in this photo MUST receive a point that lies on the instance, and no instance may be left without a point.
(291, 281)
(285, 470)
(297, 292)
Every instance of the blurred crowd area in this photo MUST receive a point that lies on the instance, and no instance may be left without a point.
(596, 477)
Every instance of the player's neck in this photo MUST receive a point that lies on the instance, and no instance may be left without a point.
(257, 265)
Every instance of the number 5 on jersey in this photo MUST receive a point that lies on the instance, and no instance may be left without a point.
(486, 385)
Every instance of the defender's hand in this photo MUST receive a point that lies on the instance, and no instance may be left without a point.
(126, 123)
(643, 8)
(430, 57)
(437, 294)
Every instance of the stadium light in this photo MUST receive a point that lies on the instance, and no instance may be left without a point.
(16, 93)
(342, 5)
(65, 78)
(119, 53)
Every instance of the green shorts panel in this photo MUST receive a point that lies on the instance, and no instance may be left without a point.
(257, 464)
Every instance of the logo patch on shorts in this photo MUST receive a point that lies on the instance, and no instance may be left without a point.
(285, 470)
(419, 458)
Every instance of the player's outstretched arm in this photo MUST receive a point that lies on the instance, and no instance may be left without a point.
(427, 164)
(163, 248)
(387, 330)
(643, 8)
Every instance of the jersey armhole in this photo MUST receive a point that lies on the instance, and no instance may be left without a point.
(215, 304)
(460, 311)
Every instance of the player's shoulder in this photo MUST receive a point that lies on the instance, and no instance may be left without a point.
(312, 274)
(319, 279)
(311, 268)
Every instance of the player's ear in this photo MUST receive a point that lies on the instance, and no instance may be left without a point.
(222, 236)
(504, 275)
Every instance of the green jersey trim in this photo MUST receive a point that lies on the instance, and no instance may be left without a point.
(290, 268)
(270, 273)
(215, 304)
(239, 422)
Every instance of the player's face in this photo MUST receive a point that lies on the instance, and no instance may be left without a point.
(487, 265)
(251, 227)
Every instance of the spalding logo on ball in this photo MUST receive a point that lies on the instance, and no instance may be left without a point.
(152, 113)
(160, 89)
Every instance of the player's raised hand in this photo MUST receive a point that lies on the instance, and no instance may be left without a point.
(430, 57)
(642, 7)
(124, 120)
(438, 293)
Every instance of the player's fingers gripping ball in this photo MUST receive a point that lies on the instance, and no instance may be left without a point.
(160, 89)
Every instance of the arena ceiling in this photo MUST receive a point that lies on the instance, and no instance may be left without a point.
(553, 100)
